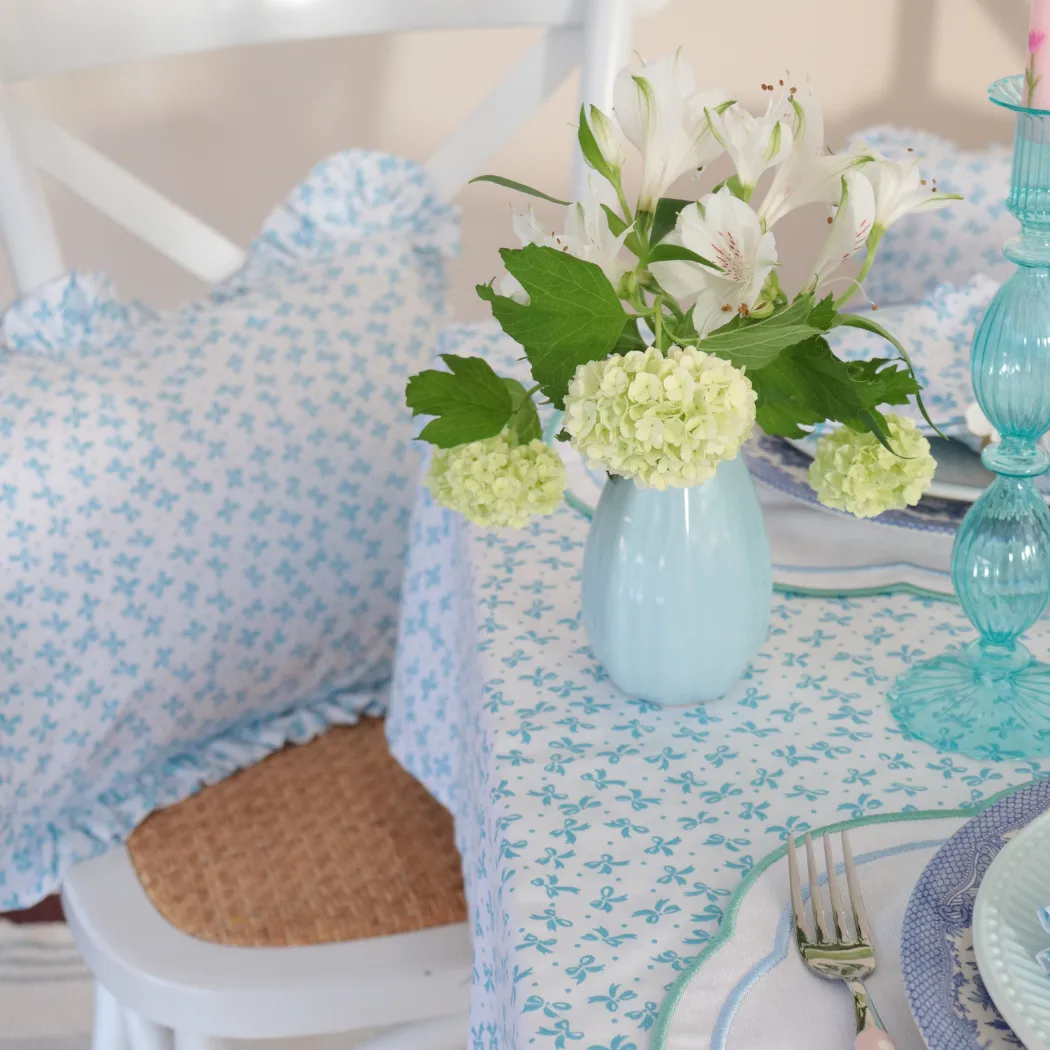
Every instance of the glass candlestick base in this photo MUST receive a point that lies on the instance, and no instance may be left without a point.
(979, 702)
(992, 699)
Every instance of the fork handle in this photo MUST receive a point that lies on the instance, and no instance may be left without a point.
(871, 1032)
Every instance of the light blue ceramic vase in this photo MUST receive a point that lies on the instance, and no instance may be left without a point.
(677, 586)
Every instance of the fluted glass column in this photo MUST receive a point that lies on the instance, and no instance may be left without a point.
(992, 698)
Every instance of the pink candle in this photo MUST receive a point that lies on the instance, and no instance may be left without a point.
(1037, 70)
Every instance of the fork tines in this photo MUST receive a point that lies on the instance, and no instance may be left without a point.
(858, 932)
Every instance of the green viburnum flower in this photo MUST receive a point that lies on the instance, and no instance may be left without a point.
(497, 483)
(660, 420)
(853, 472)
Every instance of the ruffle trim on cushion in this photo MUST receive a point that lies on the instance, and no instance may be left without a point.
(896, 142)
(347, 199)
(76, 310)
(90, 830)
(359, 194)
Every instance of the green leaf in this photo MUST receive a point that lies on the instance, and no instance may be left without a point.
(822, 315)
(868, 325)
(470, 401)
(797, 312)
(884, 383)
(573, 315)
(675, 252)
(755, 346)
(524, 420)
(665, 217)
(510, 184)
(589, 147)
(807, 384)
(630, 338)
(685, 332)
(616, 224)
(776, 413)
(874, 422)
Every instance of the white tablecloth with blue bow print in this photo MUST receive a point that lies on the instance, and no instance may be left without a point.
(601, 836)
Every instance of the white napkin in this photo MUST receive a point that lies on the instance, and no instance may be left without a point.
(817, 549)
(753, 992)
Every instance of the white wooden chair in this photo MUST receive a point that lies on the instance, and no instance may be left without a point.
(156, 985)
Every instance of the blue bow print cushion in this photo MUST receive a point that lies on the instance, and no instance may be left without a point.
(204, 513)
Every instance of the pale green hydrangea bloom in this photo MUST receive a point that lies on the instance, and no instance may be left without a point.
(660, 420)
(853, 472)
(496, 483)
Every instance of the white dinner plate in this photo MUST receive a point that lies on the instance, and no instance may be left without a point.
(1007, 934)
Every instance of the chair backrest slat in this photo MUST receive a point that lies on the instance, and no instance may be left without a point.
(44, 37)
(494, 122)
(40, 38)
(119, 195)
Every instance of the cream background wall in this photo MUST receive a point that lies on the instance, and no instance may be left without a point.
(227, 134)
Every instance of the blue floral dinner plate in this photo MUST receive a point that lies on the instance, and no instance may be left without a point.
(948, 999)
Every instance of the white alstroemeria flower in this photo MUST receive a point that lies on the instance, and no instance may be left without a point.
(803, 110)
(528, 230)
(609, 137)
(809, 174)
(586, 236)
(661, 113)
(726, 232)
(753, 143)
(853, 222)
(899, 190)
(805, 178)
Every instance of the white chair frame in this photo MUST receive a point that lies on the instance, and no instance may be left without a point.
(158, 988)
(44, 37)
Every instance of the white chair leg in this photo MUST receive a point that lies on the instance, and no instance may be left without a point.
(109, 1032)
(442, 1033)
(146, 1035)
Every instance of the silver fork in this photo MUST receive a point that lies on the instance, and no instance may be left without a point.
(849, 956)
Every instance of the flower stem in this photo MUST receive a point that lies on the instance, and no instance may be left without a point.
(855, 284)
(617, 185)
(658, 322)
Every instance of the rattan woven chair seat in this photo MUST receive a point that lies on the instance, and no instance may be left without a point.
(328, 841)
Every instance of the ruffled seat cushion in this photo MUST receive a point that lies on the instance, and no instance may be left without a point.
(203, 513)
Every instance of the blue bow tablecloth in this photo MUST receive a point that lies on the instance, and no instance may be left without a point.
(602, 836)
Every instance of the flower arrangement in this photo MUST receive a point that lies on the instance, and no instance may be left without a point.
(661, 329)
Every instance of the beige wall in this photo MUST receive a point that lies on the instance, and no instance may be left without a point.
(227, 134)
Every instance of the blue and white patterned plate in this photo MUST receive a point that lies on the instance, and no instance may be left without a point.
(947, 996)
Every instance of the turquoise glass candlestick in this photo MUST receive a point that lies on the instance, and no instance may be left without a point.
(992, 698)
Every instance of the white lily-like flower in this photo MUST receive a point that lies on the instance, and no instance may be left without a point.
(662, 114)
(587, 235)
(809, 174)
(609, 138)
(726, 232)
(802, 108)
(899, 190)
(805, 178)
(753, 143)
(850, 228)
